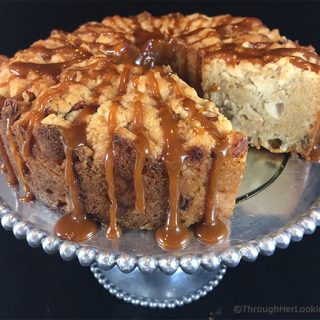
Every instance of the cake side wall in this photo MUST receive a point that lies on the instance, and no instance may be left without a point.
(45, 174)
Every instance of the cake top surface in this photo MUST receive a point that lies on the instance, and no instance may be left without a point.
(99, 83)
(86, 67)
(98, 64)
(148, 41)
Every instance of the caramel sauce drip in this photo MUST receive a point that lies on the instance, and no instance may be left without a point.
(22, 69)
(6, 166)
(101, 67)
(141, 145)
(143, 37)
(154, 48)
(31, 118)
(172, 236)
(142, 148)
(124, 79)
(26, 148)
(190, 106)
(211, 229)
(48, 53)
(28, 196)
(34, 117)
(113, 231)
(75, 226)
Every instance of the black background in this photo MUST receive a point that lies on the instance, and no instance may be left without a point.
(34, 285)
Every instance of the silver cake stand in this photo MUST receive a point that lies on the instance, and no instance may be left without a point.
(278, 202)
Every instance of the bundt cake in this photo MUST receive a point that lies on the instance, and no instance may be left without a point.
(99, 123)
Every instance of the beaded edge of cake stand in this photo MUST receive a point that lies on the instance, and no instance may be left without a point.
(168, 264)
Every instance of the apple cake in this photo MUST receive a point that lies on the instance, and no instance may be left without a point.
(119, 121)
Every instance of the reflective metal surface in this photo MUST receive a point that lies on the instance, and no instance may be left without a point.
(158, 290)
(278, 202)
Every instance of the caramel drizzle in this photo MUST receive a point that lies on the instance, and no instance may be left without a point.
(6, 166)
(75, 226)
(100, 67)
(172, 235)
(211, 229)
(31, 118)
(84, 228)
(48, 53)
(154, 48)
(124, 79)
(194, 114)
(73, 137)
(113, 231)
(70, 177)
(22, 69)
(142, 148)
(20, 163)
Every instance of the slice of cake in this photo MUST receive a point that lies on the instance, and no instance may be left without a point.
(267, 85)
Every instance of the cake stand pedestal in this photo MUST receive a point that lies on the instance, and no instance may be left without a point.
(167, 291)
